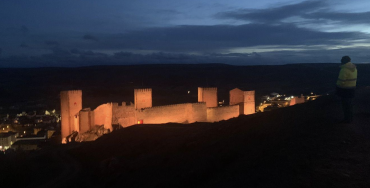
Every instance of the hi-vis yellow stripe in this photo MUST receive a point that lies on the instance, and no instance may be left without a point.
(347, 80)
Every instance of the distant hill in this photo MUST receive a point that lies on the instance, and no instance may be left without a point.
(170, 83)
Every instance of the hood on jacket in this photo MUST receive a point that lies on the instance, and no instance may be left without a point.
(350, 66)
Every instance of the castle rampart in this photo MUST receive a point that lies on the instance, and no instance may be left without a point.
(124, 115)
(103, 115)
(222, 113)
(177, 113)
(297, 100)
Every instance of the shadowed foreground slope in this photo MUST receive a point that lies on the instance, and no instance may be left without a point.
(298, 146)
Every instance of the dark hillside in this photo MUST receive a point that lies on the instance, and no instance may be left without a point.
(298, 146)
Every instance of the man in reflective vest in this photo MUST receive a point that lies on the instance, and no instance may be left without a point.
(346, 85)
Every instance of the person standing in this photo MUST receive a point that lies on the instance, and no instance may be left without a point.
(346, 85)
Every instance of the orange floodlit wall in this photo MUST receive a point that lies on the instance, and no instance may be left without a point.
(198, 112)
(143, 98)
(296, 100)
(208, 95)
(71, 104)
(222, 113)
(249, 105)
(103, 115)
(236, 96)
(86, 118)
(124, 115)
(178, 113)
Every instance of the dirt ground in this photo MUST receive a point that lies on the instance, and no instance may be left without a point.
(299, 146)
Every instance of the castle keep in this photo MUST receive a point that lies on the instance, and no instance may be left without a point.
(71, 105)
(74, 118)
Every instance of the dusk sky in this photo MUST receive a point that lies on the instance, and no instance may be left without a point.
(118, 32)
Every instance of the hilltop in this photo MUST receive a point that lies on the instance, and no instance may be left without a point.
(298, 146)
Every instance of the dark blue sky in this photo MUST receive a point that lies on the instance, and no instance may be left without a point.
(94, 32)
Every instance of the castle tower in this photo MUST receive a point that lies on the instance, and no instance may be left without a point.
(143, 98)
(71, 104)
(236, 96)
(249, 106)
(245, 100)
(208, 95)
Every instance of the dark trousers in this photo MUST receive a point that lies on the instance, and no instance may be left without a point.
(347, 105)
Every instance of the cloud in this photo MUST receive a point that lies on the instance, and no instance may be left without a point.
(314, 11)
(90, 37)
(224, 37)
(348, 18)
(275, 14)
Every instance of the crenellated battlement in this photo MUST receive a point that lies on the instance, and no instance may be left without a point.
(208, 88)
(74, 91)
(167, 106)
(143, 98)
(143, 90)
(122, 104)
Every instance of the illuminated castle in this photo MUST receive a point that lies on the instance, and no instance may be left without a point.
(74, 118)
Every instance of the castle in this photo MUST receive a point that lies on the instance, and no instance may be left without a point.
(75, 118)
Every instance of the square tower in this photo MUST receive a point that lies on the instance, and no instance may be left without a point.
(143, 98)
(236, 96)
(249, 102)
(70, 104)
(245, 100)
(208, 95)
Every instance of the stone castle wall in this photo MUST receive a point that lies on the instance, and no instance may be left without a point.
(103, 115)
(178, 113)
(124, 115)
(222, 113)
(297, 100)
